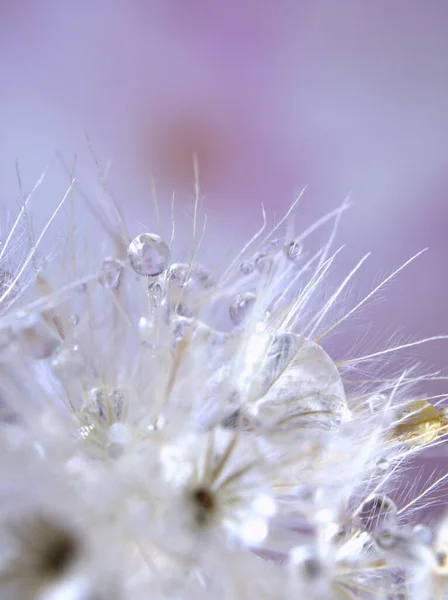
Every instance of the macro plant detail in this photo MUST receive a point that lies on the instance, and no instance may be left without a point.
(176, 431)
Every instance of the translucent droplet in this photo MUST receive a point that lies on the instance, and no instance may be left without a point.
(68, 362)
(377, 512)
(74, 320)
(298, 385)
(148, 254)
(155, 292)
(293, 250)
(241, 305)
(247, 267)
(110, 273)
(179, 274)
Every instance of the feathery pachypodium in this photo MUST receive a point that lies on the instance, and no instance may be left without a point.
(170, 431)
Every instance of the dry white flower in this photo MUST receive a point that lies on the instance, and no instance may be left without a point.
(173, 432)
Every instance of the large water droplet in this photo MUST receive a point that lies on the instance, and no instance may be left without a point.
(240, 307)
(110, 273)
(377, 512)
(148, 254)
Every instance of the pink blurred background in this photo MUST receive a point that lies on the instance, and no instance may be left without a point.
(273, 95)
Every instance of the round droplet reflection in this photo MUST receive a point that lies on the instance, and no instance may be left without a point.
(148, 254)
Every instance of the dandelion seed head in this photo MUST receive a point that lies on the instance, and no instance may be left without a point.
(194, 433)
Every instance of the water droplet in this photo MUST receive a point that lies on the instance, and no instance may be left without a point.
(241, 306)
(155, 292)
(293, 250)
(74, 320)
(148, 254)
(247, 267)
(377, 512)
(68, 362)
(179, 274)
(110, 273)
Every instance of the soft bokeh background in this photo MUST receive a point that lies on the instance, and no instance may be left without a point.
(273, 95)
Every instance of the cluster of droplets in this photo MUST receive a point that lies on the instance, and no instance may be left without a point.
(214, 447)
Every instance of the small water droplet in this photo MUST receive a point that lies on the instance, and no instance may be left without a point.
(155, 292)
(74, 320)
(110, 273)
(179, 274)
(293, 250)
(148, 254)
(68, 362)
(247, 267)
(241, 306)
(377, 512)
